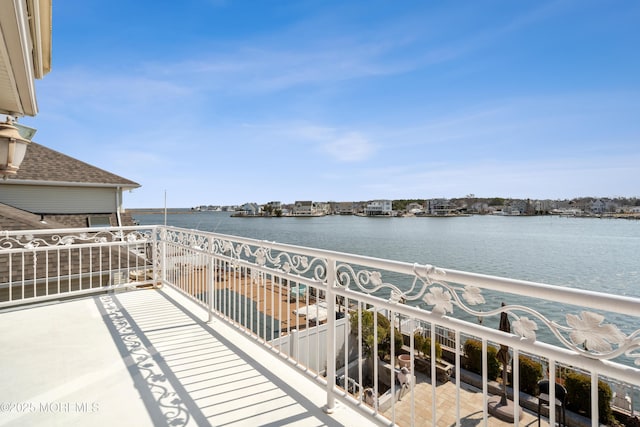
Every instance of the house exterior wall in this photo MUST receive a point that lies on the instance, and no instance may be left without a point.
(439, 207)
(345, 208)
(304, 208)
(379, 207)
(60, 200)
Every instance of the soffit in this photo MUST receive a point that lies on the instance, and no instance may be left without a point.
(25, 53)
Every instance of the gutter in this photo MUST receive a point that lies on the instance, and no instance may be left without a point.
(70, 184)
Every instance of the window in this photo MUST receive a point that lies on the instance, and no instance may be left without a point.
(99, 221)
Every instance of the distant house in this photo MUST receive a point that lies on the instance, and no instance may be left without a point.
(323, 208)
(480, 207)
(275, 205)
(598, 207)
(415, 208)
(604, 206)
(345, 208)
(440, 207)
(379, 207)
(518, 207)
(250, 209)
(59, 190)
(273, 208)
(306, 208)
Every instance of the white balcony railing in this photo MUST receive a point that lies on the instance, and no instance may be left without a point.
(330, 314)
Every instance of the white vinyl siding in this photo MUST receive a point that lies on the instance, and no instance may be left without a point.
(59, 200)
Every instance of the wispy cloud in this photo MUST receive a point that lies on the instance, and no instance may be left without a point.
(350, 147)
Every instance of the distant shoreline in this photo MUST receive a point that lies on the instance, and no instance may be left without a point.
(160, 211)
(175, 211)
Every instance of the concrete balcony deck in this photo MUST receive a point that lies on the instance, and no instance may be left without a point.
(147, 357)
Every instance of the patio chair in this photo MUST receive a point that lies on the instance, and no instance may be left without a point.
(561, 400)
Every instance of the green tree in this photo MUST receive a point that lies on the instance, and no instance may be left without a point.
(384, 334)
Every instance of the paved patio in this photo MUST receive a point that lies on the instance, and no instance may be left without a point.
(147, 357)
(471, 413)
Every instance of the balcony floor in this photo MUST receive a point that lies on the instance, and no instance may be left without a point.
(147, 357)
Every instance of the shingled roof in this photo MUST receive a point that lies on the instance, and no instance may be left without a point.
(44, 164)
(16, 219)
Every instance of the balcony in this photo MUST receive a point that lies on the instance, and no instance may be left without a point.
(163, 325)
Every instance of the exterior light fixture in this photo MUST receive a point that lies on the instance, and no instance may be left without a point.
(12, 148)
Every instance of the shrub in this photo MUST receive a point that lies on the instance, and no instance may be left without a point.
(384, 334)
(473, 354)
(426, 348)
(423, 345)
(530, 373)
(418, 341)
(578, 395)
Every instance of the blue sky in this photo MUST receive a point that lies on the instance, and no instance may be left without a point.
(225, 102)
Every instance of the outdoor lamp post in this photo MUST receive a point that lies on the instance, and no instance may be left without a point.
(12, 148)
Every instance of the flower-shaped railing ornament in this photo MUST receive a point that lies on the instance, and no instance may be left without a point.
(586, 333)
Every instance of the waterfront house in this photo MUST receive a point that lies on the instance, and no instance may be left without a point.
(598, 207)
(379, 208)
(440, 207)
(601, 206)
(273, 207)
(516, 207)
(250, 209)
(415, 208)
(306, 208)
(345, 208)
(323, 208)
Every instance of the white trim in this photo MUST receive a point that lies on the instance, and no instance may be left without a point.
(67, 183)
(22, 21)
(34, 7)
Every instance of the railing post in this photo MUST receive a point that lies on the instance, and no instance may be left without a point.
(595, 413)
(159, 250)
(331, 335)
(210, 282)
(155, 262)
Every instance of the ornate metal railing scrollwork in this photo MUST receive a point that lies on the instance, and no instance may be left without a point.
(586, 333)
(30, 241)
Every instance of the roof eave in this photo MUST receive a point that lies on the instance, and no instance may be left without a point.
(124, 186)
(25, 51)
